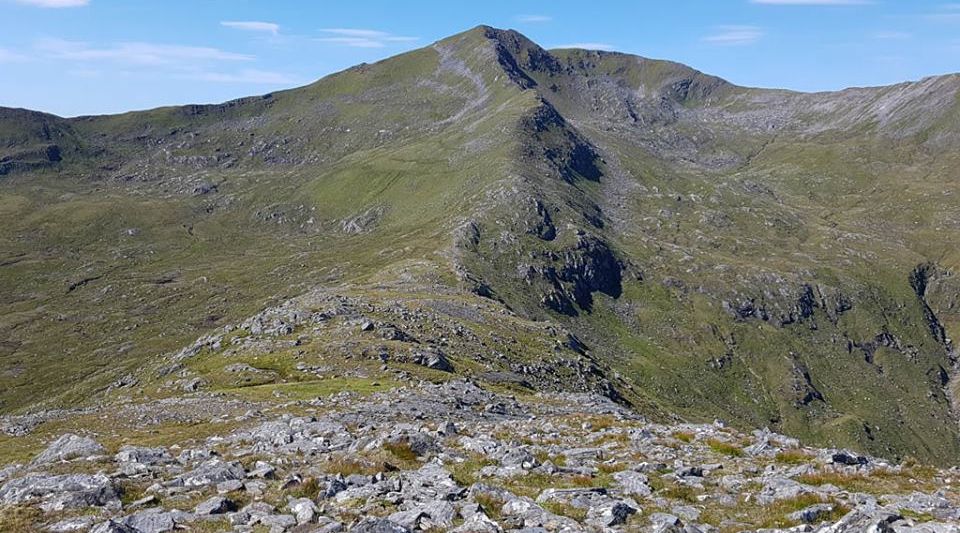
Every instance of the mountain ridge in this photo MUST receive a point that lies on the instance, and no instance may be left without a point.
(715, 250)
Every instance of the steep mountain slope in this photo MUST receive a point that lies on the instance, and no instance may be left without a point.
(647, 231)
(777, 268)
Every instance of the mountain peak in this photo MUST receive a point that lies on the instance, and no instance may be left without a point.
(645, 230)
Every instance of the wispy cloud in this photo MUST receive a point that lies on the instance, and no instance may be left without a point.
(734, 35)
(136, 53)
(362, 38)
(248, 76)
(54, 3)
(533, 19)
(813, 2)
(252, 25)
(9, 56)
(588, 46)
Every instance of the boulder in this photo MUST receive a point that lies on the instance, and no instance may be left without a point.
(61, 492)
(112, 526)
(212, 472)
(812, 514)
(303, 509)
(143, 455)
(610, 514)
(377, 525)
(848, 459)
(81, 523)
(156, 520)
(215, 505)
(69, 446)
(633, 483)
(478, 523)
(279, 521)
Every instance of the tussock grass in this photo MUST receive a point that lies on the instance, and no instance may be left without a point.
(567, 510)
(725, 448)
(793, 456)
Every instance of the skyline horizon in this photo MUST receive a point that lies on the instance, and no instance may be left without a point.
(311, 82)
(91, 57)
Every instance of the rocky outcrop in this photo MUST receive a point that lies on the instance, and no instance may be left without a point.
(571, 154)
(455, 457)
(919, 280)
(779, 308)
(69, 447)
(574, 274)
(59, 492)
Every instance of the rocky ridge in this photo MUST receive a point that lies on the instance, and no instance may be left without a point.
(457, 457)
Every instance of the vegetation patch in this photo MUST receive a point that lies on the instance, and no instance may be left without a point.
(725, 448)
(793, 456)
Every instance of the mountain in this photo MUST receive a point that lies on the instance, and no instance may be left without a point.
(534, 220)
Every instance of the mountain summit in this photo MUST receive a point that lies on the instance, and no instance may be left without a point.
(530, 219)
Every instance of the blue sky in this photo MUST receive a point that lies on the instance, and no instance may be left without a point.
(74, 57)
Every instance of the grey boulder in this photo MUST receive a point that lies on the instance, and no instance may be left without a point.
(69, 446)
(61, 492)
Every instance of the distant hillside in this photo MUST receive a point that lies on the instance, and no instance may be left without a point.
(683, 245)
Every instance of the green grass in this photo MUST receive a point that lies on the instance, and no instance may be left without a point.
(401, 450)
(750, 214)
(725, 448)
(793, 457)
(916, 516)
(490, 504)
(466, 473)
(567, 510)
(20, 518)
(774, 515)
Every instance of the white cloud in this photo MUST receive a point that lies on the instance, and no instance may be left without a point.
(734, 35)
(9, 56)
(813, 2)
(136, 53)
(588, 46)
(534, 18)
(362, 38)
(54, 3)
(250, 76)
(252, 25)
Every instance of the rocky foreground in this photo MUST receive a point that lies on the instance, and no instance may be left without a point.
(455, 457)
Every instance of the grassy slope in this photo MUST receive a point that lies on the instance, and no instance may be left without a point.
(267, 233)
(854, 216)
(708, 210)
